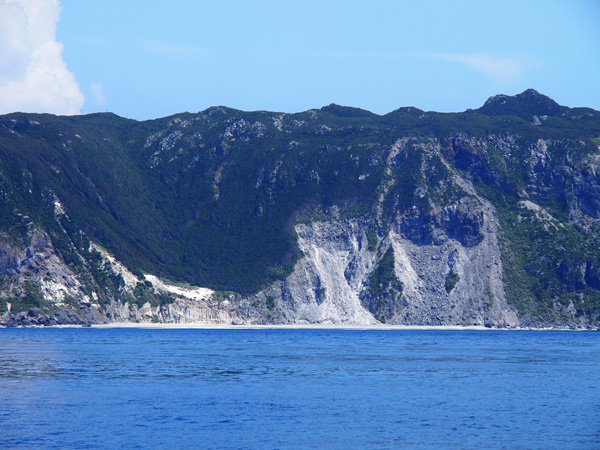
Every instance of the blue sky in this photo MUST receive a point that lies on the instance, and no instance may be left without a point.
(148, 59)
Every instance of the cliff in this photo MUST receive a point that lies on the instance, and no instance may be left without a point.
(332, 216)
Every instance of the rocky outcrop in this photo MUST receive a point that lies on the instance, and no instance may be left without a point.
(181, 311)
(462, 222)
(325, 284)
(454, 280)
(32, 273)
(332, 283)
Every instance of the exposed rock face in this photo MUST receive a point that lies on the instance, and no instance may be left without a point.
(462, 222)
(331, 284)
(36, 261)
(473, 256)
(181, 311)
(325, 285)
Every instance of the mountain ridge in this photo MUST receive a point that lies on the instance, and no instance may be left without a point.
(530, 98)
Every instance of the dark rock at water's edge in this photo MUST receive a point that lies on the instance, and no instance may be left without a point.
(336, 215)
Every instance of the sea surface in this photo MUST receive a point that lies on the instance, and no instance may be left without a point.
(298, 389)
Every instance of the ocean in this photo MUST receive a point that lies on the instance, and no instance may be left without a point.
(132, 388)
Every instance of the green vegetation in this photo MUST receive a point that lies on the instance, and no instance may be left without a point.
(270, 303)
(545, 261)
(451, 280)
(142, 294)
(385, 290)
(372, 240)
(223, 295)
(29, 297)
(383, 278)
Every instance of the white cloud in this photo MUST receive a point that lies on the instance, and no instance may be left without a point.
(98, 94)
(33, 75)
(498, 69)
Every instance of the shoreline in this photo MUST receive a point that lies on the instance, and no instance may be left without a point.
(287, 326)
(348, 327)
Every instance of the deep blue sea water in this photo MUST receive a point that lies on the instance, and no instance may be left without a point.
(298, 389)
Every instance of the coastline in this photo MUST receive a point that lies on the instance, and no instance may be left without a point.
(348, 327)
(287, 326)
(296, 326)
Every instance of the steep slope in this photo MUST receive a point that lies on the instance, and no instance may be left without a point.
(338, 215)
